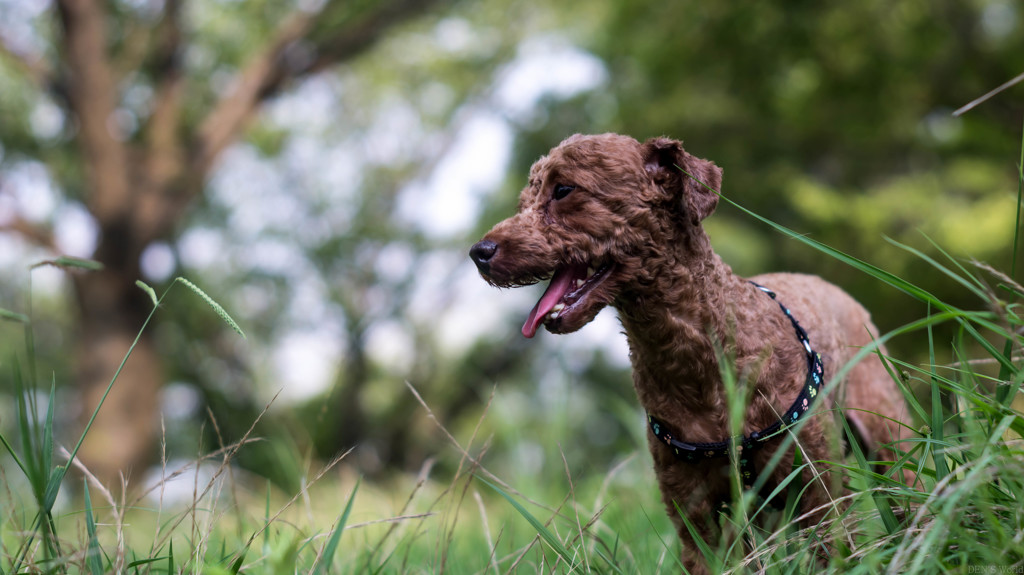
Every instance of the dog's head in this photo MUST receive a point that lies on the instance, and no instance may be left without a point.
(592, 218)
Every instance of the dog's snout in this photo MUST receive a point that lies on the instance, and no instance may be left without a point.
(481, 254)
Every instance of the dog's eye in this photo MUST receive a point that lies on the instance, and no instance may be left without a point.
(562, 190)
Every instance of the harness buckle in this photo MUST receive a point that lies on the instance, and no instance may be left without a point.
(749, 442)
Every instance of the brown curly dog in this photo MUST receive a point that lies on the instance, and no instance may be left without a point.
(615, 222)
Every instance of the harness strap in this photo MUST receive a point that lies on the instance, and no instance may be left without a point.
(693, 452)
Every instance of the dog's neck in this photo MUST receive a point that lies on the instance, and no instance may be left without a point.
(699, 306)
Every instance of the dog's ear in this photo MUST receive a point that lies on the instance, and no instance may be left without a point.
(697, 180)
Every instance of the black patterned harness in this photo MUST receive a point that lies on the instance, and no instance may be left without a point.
(694, 452)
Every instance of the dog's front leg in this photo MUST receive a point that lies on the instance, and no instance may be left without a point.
(702, 519)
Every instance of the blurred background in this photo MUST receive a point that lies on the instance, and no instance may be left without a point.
(320, 168)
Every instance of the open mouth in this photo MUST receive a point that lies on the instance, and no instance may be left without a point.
(569, 286)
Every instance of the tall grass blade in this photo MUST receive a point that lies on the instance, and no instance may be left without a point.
(266, 519)
(975, 286)
(213, 304)
(995, 440)
(237, 565)
(80, 263)
(538, 526)
(323, 565)
(1007, 366)
(47, 446)
(141, 562)
(713, 561)
(14, 454)
(53, 487)
(1020, 200)
(27, 428)
(30, 338)
(18, 390)
(68, 262)
(1004, 394)
(872, 270)
(1011, 290)
(937, 419)
(93, 557)
(12, 316)
(881, 501)
(1005, 362)
(793, 490)
(149, 291)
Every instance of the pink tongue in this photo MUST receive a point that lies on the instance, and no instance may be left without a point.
(561, 282)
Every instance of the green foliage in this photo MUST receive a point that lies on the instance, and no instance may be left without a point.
(71, 263)
(13, 316)
(571, 562)
(323, 563)
(93, 558)
(35, 456)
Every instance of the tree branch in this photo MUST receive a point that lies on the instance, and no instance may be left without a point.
(136, 42)
(155, 208)
(295, 53)
(162, 129)
(364, 30)
(33, 68)
(35, 234)
(92, 93)
(263, 75)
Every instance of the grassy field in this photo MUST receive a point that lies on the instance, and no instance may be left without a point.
(965, 515)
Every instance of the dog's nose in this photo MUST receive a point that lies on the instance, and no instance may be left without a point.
(481, 254)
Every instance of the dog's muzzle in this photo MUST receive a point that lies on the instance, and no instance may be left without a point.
(481, 253)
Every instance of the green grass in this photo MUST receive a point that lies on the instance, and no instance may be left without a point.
(965, 514)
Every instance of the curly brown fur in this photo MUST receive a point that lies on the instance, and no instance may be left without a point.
(617, 222)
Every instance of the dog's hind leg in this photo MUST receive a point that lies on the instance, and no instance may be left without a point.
(874, 406)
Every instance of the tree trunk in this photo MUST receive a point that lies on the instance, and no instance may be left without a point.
(138, 189)
(111, 312)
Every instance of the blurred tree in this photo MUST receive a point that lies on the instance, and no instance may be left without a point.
(148, 95)
(308, 228)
